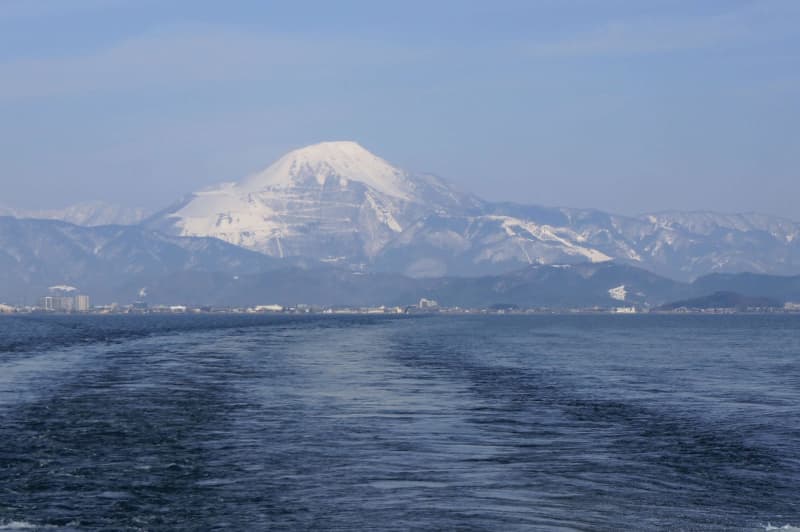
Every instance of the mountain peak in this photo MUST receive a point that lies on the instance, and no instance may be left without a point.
(335, 145)
(331, 150)
(339, 161)
(331, 201)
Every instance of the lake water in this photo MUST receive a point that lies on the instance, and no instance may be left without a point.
(413, 423)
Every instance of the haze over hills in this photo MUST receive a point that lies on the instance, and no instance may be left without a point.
(339, 203)
(111, 263)
(323, 213)
(89, 213)
(128, 263)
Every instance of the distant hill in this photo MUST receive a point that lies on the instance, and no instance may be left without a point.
(111, 262)
(118, 263)
(604, 284)
(724, 300)
(582, 285)
(781, 288)
(89, 213)
(607, 284)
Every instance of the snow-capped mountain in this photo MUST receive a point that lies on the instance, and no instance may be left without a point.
(118, 263)
(333, 201)
(690, 244)
(339, 203)
(90, 214)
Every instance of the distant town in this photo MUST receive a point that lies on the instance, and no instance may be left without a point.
(65, 299)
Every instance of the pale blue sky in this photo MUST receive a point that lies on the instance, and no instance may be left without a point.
(623, 105)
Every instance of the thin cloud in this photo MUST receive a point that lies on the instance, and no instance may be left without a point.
(643, 36)
(22, 9)
(640, 37)
(187, 55)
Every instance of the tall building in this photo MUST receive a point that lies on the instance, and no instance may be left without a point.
(428, 303)
(81, 303)
(48, 303)
(63, 304)
(61, 299)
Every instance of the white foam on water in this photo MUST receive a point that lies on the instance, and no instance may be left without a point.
(406, 484)
(787, 528)
(23, 380)
(21, 525)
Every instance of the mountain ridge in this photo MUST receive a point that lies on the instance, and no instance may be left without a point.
(109, 262)
(125, 263)
(88, 213)
(337, 203)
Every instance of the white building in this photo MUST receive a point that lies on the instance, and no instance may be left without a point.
(47, 303)
(428, 303)
(81, 303)
(268, 308)
(57, 303)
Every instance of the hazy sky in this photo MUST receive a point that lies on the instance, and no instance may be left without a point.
(624, 105)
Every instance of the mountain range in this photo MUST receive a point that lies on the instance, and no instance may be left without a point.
(127, 263)
(89, 213)
(338, 203)
(111, 262)
(334, 212)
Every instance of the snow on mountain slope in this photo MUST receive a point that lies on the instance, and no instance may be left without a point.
(706, 223)
(339, 162)
(482, 244)
(685, 245)
(327, 200)
(339, 203)
(563, 236)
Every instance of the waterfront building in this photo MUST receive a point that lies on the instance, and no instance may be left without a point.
(81, 303)
(428, 303)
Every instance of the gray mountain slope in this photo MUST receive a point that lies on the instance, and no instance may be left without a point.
(108, 262)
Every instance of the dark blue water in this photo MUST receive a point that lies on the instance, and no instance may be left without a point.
(437, 423)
